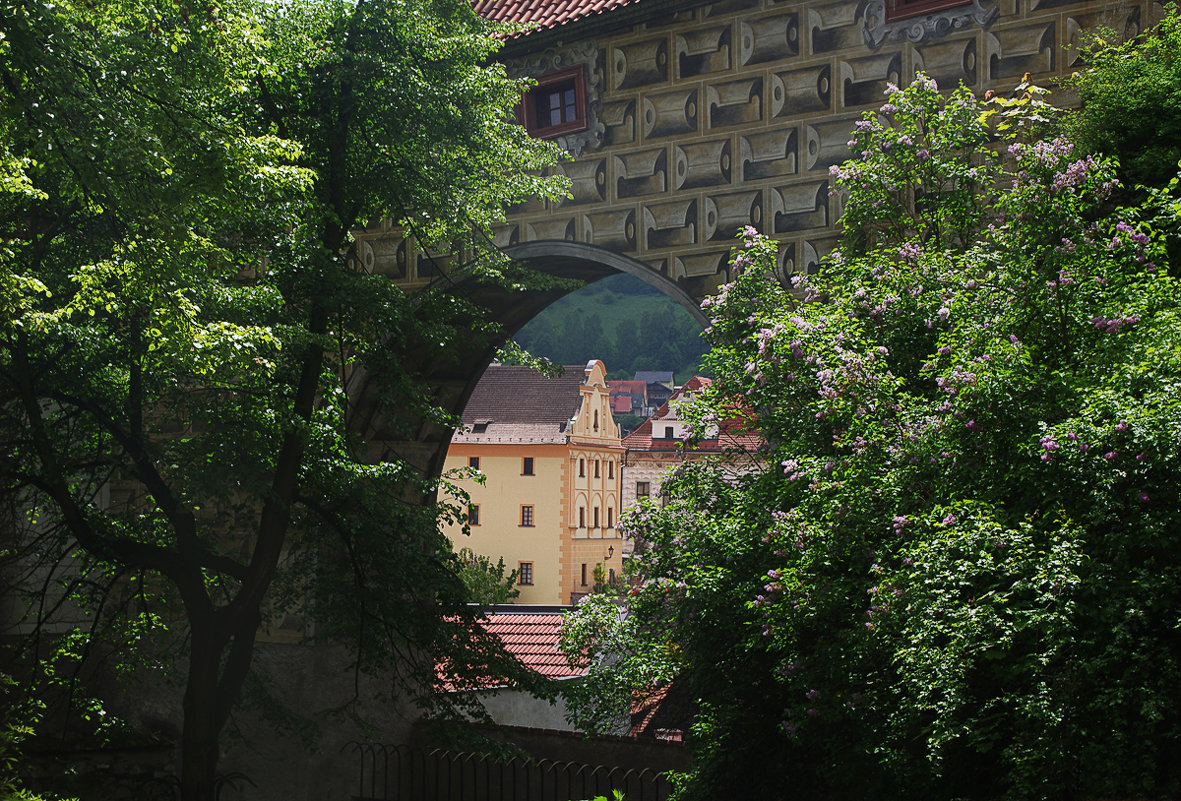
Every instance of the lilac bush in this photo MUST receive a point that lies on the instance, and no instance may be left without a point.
(958, 574)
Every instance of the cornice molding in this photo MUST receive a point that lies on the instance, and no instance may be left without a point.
(934, 25)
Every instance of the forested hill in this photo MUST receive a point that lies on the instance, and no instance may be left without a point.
(623, 321)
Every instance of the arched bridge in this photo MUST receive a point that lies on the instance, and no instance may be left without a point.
(696, 119)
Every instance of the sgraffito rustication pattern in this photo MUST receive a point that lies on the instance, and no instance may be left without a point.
(716, 116)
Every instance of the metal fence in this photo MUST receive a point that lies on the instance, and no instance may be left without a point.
(402, 773)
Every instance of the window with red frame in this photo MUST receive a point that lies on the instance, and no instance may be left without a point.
(557, 105)
(901, 9)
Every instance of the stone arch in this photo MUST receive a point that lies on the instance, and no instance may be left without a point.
(452, 383)
(579, 261)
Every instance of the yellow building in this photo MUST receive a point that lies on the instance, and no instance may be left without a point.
(550, 454)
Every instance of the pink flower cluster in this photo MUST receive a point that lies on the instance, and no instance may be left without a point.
(1113, 325)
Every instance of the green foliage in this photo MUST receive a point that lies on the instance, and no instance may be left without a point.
(181, 324)
(958, 574)
(627, 323)
(1131, 96)
(600, 633)
(486, 583)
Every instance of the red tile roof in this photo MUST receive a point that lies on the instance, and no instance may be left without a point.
(736, 431)
(512, 395)
(545, 14)
(627, 395)
(628, 386)
(529, 633)
(533, 639)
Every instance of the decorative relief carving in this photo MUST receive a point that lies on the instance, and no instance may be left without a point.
(1016, 51)
(552, 228)
(431, 265)
(381, 255)
(771, 38)
(742, 130)
(735, 102)
(552, 60)
(801, 91)
(786, 261)
(937, 24)
(642, 173)
(403, 259)
(703, 164)
(614, 229)
(588, 181)
(506, 235)
(864, 79)
(799, 207)
(619, 117)
(670, 114)
(702, 52)
(816, 249)
(639, 63)
(770, 154)
(726, 214)
(827, 143)
(693, 265)
(949, 62)
(670, 224)
(833, 26)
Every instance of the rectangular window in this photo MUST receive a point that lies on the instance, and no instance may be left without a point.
(526, 515)
(641, 489)
(473, 515)
(525, 573)
(557, 105)
(596, 517)
(668, 432)
(584, 574)
(596, 468)
(473, 462)
(901, 9)
(527, 466)
(610, 469)
(581, 517)
(610, 517)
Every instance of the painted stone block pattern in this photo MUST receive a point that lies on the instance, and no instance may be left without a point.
(715, 116)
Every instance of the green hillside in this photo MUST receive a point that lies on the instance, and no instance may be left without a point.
(623, 321)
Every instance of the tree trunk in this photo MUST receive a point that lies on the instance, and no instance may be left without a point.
(202, 726)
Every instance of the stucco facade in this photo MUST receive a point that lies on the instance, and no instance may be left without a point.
(550, 496)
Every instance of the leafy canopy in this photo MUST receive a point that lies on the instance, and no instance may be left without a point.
(182, 323)
(958, 574)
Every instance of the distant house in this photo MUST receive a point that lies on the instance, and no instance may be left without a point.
(658, 444)
(550, 455)
(629, 397)
(660, 385)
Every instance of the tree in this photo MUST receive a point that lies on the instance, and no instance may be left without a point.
(179, 318)
(487, 583)
(958, 574)
(1131, 102)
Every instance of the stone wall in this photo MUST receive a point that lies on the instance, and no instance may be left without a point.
(708, 118)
